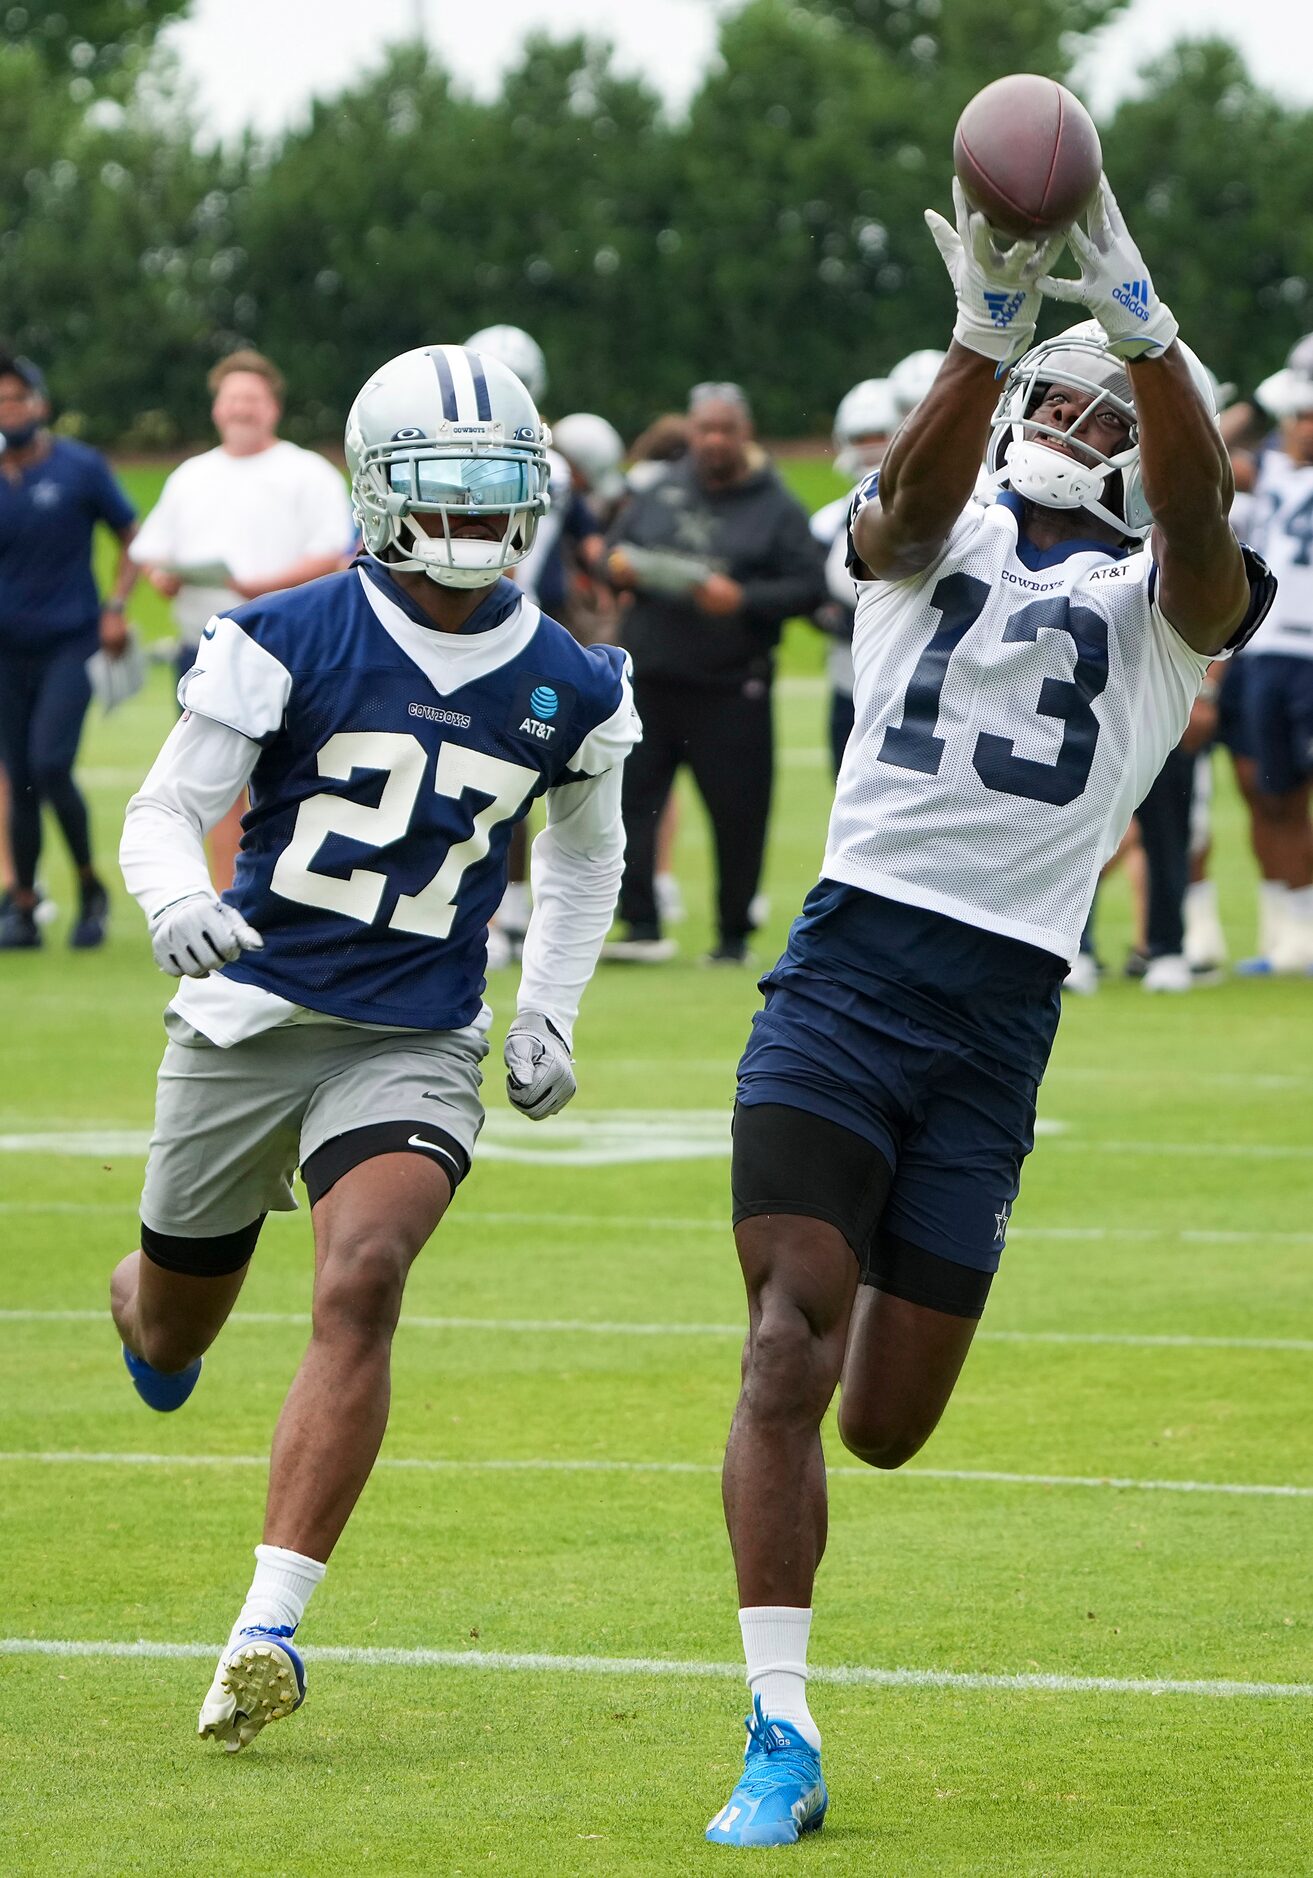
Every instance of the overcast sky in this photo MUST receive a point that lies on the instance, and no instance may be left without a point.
(260, 61)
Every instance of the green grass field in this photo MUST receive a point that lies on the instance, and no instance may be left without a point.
(562, 1385)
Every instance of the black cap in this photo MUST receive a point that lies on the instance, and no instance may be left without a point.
(14, 365)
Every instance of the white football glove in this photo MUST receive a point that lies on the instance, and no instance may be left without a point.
(540, 1073)
(997, 288)
(1114, 283)
(196, 935)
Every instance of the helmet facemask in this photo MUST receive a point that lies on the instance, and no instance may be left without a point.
(456, 479)
(1106, 485)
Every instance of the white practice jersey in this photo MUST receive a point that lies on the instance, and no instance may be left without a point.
(1013, 707)
(1282, 531)
(829, 526)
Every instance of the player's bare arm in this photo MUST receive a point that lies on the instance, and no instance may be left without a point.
(1185, 470)
(928, 475)
(1203, 587)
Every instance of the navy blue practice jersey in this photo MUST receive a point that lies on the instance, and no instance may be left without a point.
(395, 761)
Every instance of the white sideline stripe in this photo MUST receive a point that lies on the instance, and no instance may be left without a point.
(443, 1465)
(544, 1326)
(856, 1673)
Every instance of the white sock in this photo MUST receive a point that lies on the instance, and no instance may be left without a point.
(775, 1650)
(280, 1590)
(1201, 897)
(1299, 906)
(1273, 896)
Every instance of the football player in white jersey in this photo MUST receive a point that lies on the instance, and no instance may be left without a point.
(1022, 670)
(1277, 696)
(866, 419)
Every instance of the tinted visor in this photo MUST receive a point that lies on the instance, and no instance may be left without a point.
(491, 483)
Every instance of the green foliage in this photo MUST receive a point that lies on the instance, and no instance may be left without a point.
(90, 44)
(774, 236)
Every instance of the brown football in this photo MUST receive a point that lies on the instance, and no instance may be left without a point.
(1027, 154)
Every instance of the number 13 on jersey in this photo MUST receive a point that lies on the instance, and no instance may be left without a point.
(401, 756)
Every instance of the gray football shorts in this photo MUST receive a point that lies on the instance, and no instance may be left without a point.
(232, 1125)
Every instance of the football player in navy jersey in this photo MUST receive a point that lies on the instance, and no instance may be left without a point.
(1022, 670)
(393, 722)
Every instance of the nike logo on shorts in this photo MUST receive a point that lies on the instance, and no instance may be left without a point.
(430, 1147)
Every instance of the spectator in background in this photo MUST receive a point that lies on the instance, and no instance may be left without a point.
(53, 491)
(250, 517)
(716, 555)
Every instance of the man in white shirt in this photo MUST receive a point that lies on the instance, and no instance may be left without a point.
(269, 513)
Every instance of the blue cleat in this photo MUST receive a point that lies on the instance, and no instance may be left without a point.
(260, 1679)
(157, 1390)
(780, 1794)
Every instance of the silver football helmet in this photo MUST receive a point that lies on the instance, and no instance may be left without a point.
(449, 432)
(912, 377)
(1289, 392)
(868, 410)
(517, 351)
(595, 449)
(1108, 486)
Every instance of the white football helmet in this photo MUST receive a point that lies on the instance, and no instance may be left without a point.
(517, 351)
(912, 377)
(1108, 486)
(868, 410)
(595, 449)
(1289, 392)
(445, 431)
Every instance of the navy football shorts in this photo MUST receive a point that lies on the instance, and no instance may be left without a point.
(1232, 725)
(1278, 714)
(953, 1126)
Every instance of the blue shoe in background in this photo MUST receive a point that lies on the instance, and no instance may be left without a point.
(780, 1794)
(157, 1390)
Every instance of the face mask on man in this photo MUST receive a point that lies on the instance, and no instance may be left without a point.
(17, 436)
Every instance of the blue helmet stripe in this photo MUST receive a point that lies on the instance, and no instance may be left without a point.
(447, 382)
(482, 402)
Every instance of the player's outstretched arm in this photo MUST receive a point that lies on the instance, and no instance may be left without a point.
(1203, 588)
(574, 869)
(194, 781)
(930, 471)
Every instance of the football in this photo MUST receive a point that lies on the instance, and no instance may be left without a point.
(1027, 154)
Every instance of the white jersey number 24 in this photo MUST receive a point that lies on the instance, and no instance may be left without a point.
(432, 911)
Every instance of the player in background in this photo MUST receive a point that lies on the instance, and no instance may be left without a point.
(1276, 702)
(53, 493)
(271, 514)
(866, 419)
(393, 723)
(542, 576)
(1022, 670)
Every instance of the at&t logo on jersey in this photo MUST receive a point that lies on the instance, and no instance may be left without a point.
(542, 707)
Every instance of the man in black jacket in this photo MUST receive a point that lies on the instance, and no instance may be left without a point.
(717, 555)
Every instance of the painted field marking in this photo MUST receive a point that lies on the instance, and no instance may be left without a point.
(444, 1465)
(627, 1137)
(847, 1674)
(601, 1327)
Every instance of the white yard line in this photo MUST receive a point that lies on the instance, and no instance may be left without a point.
(425, 1465)
(567, 1326)
(383, 1658)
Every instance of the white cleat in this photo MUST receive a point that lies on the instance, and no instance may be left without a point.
(1083, 976)
(260, 1679)
(1168, 973)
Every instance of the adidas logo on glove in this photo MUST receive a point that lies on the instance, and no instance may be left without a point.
(1004, 307)
(1134, 296)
